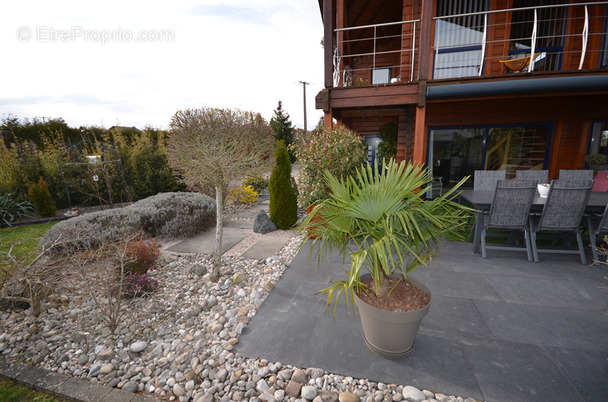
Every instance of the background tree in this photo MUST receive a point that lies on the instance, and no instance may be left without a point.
(218, 146)
(388, 147)
(283, 206)
(282, 128)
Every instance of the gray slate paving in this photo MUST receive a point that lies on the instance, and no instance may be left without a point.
(499, 329)
(205, 242)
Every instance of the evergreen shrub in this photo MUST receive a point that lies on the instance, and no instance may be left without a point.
(257, 181)
(165, 215)
(11, 209)
(243, 195)
(283, 208)
(41, 198)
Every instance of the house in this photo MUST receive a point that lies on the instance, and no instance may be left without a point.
(481, 84)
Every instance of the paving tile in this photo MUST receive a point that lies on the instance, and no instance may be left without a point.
(550, 292)
(31, 374)
(455, 316)
(69, 388)
(586, 370)
(464, 285)
(265, 247)
(507, 371)
(87, 391)
(547, 326)
(11, 369)
(50, 382)
(118, 395)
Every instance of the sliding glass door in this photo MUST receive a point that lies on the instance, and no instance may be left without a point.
(454, 153)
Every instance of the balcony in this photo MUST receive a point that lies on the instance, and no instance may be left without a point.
(495, 43)
(560, 37)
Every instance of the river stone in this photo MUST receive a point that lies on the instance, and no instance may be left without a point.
(106, 368)
(106, 354)
(348, 397)
(138, 346)
(413, 394)
(308, 392)
(263, 224)
(239, 277)
(130, 386)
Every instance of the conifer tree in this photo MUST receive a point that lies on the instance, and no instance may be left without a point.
(282, 128)
(283, 206)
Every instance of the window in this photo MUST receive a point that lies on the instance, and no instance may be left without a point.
(458, 40)
(458, 152)
(604, 60)
(551, 23)
(598, 143)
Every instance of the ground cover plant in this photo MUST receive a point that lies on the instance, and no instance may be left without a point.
(10, 391)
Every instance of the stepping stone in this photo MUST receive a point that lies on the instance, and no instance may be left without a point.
(265, 247)
(205, 242)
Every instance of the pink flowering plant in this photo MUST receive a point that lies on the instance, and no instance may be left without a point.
(138, 284)
(339, 151)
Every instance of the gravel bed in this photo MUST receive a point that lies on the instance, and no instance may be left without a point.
(177, 343)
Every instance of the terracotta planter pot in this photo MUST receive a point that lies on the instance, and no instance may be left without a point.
(317, 220)
(391, 334)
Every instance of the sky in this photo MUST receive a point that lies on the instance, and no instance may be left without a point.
(136, 63)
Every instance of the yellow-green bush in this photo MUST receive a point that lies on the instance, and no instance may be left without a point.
(243, 195)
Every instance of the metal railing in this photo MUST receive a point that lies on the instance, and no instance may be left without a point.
(461, 47)
(367, 54)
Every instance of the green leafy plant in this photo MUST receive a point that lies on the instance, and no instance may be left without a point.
(243, 195)
(597, 159)
(257, 181)
(339, 151)
(41, 198)
(11, 210)
(388, 147)
(383, 222)
(283, 208)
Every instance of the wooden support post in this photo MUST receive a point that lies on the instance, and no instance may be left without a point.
(419, 154)
(328, 41)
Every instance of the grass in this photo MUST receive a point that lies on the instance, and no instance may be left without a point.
(10, 391)
(25, 238)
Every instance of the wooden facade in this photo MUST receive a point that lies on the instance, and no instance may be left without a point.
(419, 102)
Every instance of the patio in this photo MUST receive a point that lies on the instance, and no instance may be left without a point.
(500, 329)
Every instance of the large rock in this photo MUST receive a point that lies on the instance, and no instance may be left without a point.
(263, 224)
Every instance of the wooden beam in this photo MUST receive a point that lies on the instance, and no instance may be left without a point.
(426, 32)
(328, 41)
(419, 152)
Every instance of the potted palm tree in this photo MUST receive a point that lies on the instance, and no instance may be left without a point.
(386, 227)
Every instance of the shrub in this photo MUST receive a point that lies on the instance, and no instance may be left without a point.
(138, 284)
(340, 151)
(243, 195)
(283, 206)
(142, 254)
(388, 147)
(597, 159)
(257, 181)
(41, 198)
(173, 215)
(10, 210)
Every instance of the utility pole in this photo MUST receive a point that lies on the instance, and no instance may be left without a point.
(304, 83)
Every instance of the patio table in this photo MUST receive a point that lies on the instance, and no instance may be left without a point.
(482, 201)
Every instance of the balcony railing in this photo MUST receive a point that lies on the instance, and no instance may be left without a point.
(541, 38)
(375, 54)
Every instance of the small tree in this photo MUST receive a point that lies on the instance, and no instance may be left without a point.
(283, 206)
(41, 198)
(214, 147)
(388, 147)
(282, 128)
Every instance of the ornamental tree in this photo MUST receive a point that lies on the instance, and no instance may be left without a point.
(213, 147)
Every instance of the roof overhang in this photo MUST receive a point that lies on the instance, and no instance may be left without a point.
(576, 84)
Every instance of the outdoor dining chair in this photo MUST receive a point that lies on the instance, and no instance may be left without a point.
(541, 176)
(485, 180)
(510, 211)
(562, 213)
(576, 174)
(595, 229)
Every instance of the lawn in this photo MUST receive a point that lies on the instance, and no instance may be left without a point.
(25, 238)
(10, 391)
